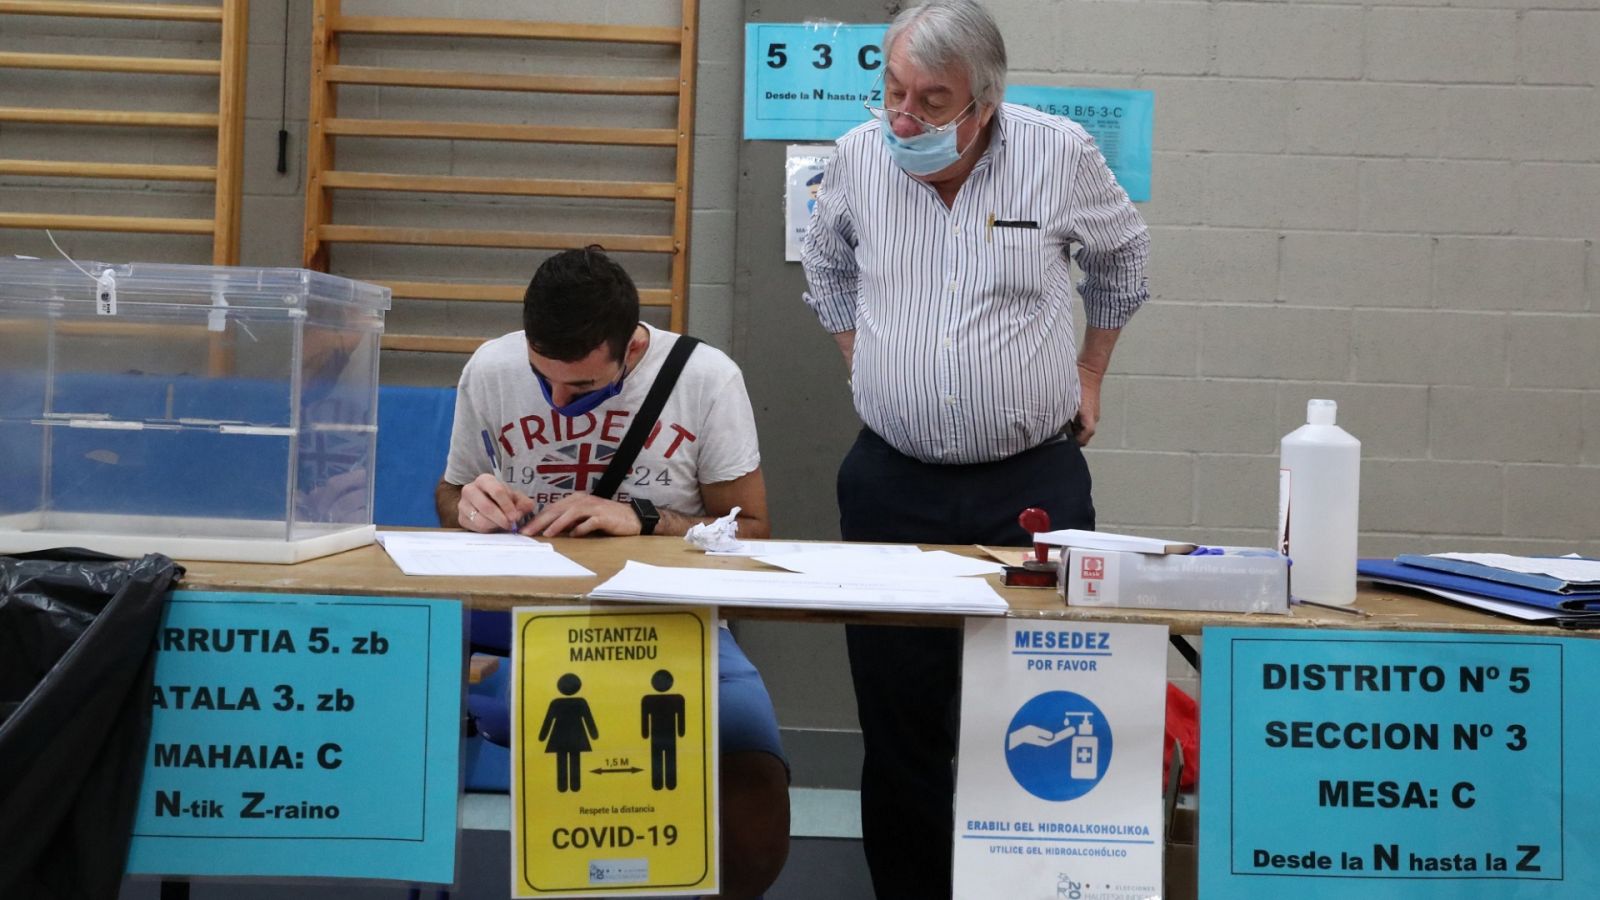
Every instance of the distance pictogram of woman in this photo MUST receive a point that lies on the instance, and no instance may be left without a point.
(662, 720)
(568, 726)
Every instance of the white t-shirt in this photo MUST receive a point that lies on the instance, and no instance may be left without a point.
(706, 433)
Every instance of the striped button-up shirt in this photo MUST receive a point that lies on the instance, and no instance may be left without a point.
(964, 346)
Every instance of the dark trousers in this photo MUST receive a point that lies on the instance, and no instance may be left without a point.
(907, 678)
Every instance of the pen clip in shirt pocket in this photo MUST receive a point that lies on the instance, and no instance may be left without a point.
(1018, 255)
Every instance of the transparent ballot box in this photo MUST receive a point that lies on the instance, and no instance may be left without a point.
(203, 412)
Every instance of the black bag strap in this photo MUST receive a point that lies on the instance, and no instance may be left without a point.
(645, 419)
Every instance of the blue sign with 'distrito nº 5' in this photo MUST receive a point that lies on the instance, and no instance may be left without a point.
(1432, 766)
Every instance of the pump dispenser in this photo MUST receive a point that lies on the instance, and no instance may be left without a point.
(1319, 495)
(1085, 749)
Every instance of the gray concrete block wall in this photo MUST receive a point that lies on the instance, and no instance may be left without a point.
(1395, 205)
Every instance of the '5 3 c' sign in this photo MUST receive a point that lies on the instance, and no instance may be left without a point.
(808, 82)
(868, 58)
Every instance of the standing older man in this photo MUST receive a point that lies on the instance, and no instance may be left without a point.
(939, 258)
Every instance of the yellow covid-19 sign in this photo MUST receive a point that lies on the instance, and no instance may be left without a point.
(613, 767)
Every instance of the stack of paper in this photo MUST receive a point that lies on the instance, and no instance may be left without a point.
(1105, 540)
(466, 553)
(779, 548)
(665, 584)
(1563, 591)
(845, 561)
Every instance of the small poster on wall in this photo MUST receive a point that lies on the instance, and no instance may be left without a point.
(803, 166)
(809, 81)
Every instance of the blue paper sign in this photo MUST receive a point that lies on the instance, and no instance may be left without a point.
(810, 82)
(303, 736)
(1121, 122)
(1355, 764)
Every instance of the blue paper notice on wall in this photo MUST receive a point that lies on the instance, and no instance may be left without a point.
(1121, 122)
(1351, 764)
(811, 81)
(303, 736)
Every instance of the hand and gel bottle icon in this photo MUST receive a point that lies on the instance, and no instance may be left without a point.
(1058, 763)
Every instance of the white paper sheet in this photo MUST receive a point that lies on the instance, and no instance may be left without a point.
(850, 562)
(1105, 540)
(1566, 568)
(469, 554)
(775, 548)
(668, 584)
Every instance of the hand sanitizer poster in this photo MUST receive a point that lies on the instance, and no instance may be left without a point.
(1058, 781)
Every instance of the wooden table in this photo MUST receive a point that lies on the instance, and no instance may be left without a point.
(368, 571)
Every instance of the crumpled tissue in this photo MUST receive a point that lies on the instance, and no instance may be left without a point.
(721, 535)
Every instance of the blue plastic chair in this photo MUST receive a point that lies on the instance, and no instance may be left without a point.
(413, 445)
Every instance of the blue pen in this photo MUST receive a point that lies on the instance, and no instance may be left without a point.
(488, 447)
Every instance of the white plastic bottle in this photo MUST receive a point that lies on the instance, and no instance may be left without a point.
(1319, 496)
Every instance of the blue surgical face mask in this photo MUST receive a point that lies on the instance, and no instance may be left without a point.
(925, 153)
(582, 403)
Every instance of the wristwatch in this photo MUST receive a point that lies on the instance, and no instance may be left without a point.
(648, 516)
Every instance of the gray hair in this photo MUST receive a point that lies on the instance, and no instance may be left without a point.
(942, 34)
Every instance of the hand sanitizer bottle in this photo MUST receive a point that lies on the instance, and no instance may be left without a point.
(1085, 751)
(1319, 496)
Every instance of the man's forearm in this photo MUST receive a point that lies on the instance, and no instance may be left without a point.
(847, 346)
(1095, 354)
(676, 524)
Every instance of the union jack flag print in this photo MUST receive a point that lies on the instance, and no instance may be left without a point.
(568, 468)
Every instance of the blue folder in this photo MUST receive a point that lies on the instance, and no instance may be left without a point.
(1531, 580)
(1394, 570)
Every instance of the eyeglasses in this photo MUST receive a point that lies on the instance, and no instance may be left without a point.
(889, 116)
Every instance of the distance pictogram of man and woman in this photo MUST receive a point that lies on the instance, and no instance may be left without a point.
(569, 726)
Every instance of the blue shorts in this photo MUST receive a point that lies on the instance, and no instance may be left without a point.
(747, 720)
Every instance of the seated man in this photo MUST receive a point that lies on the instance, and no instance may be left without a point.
(539, 414)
